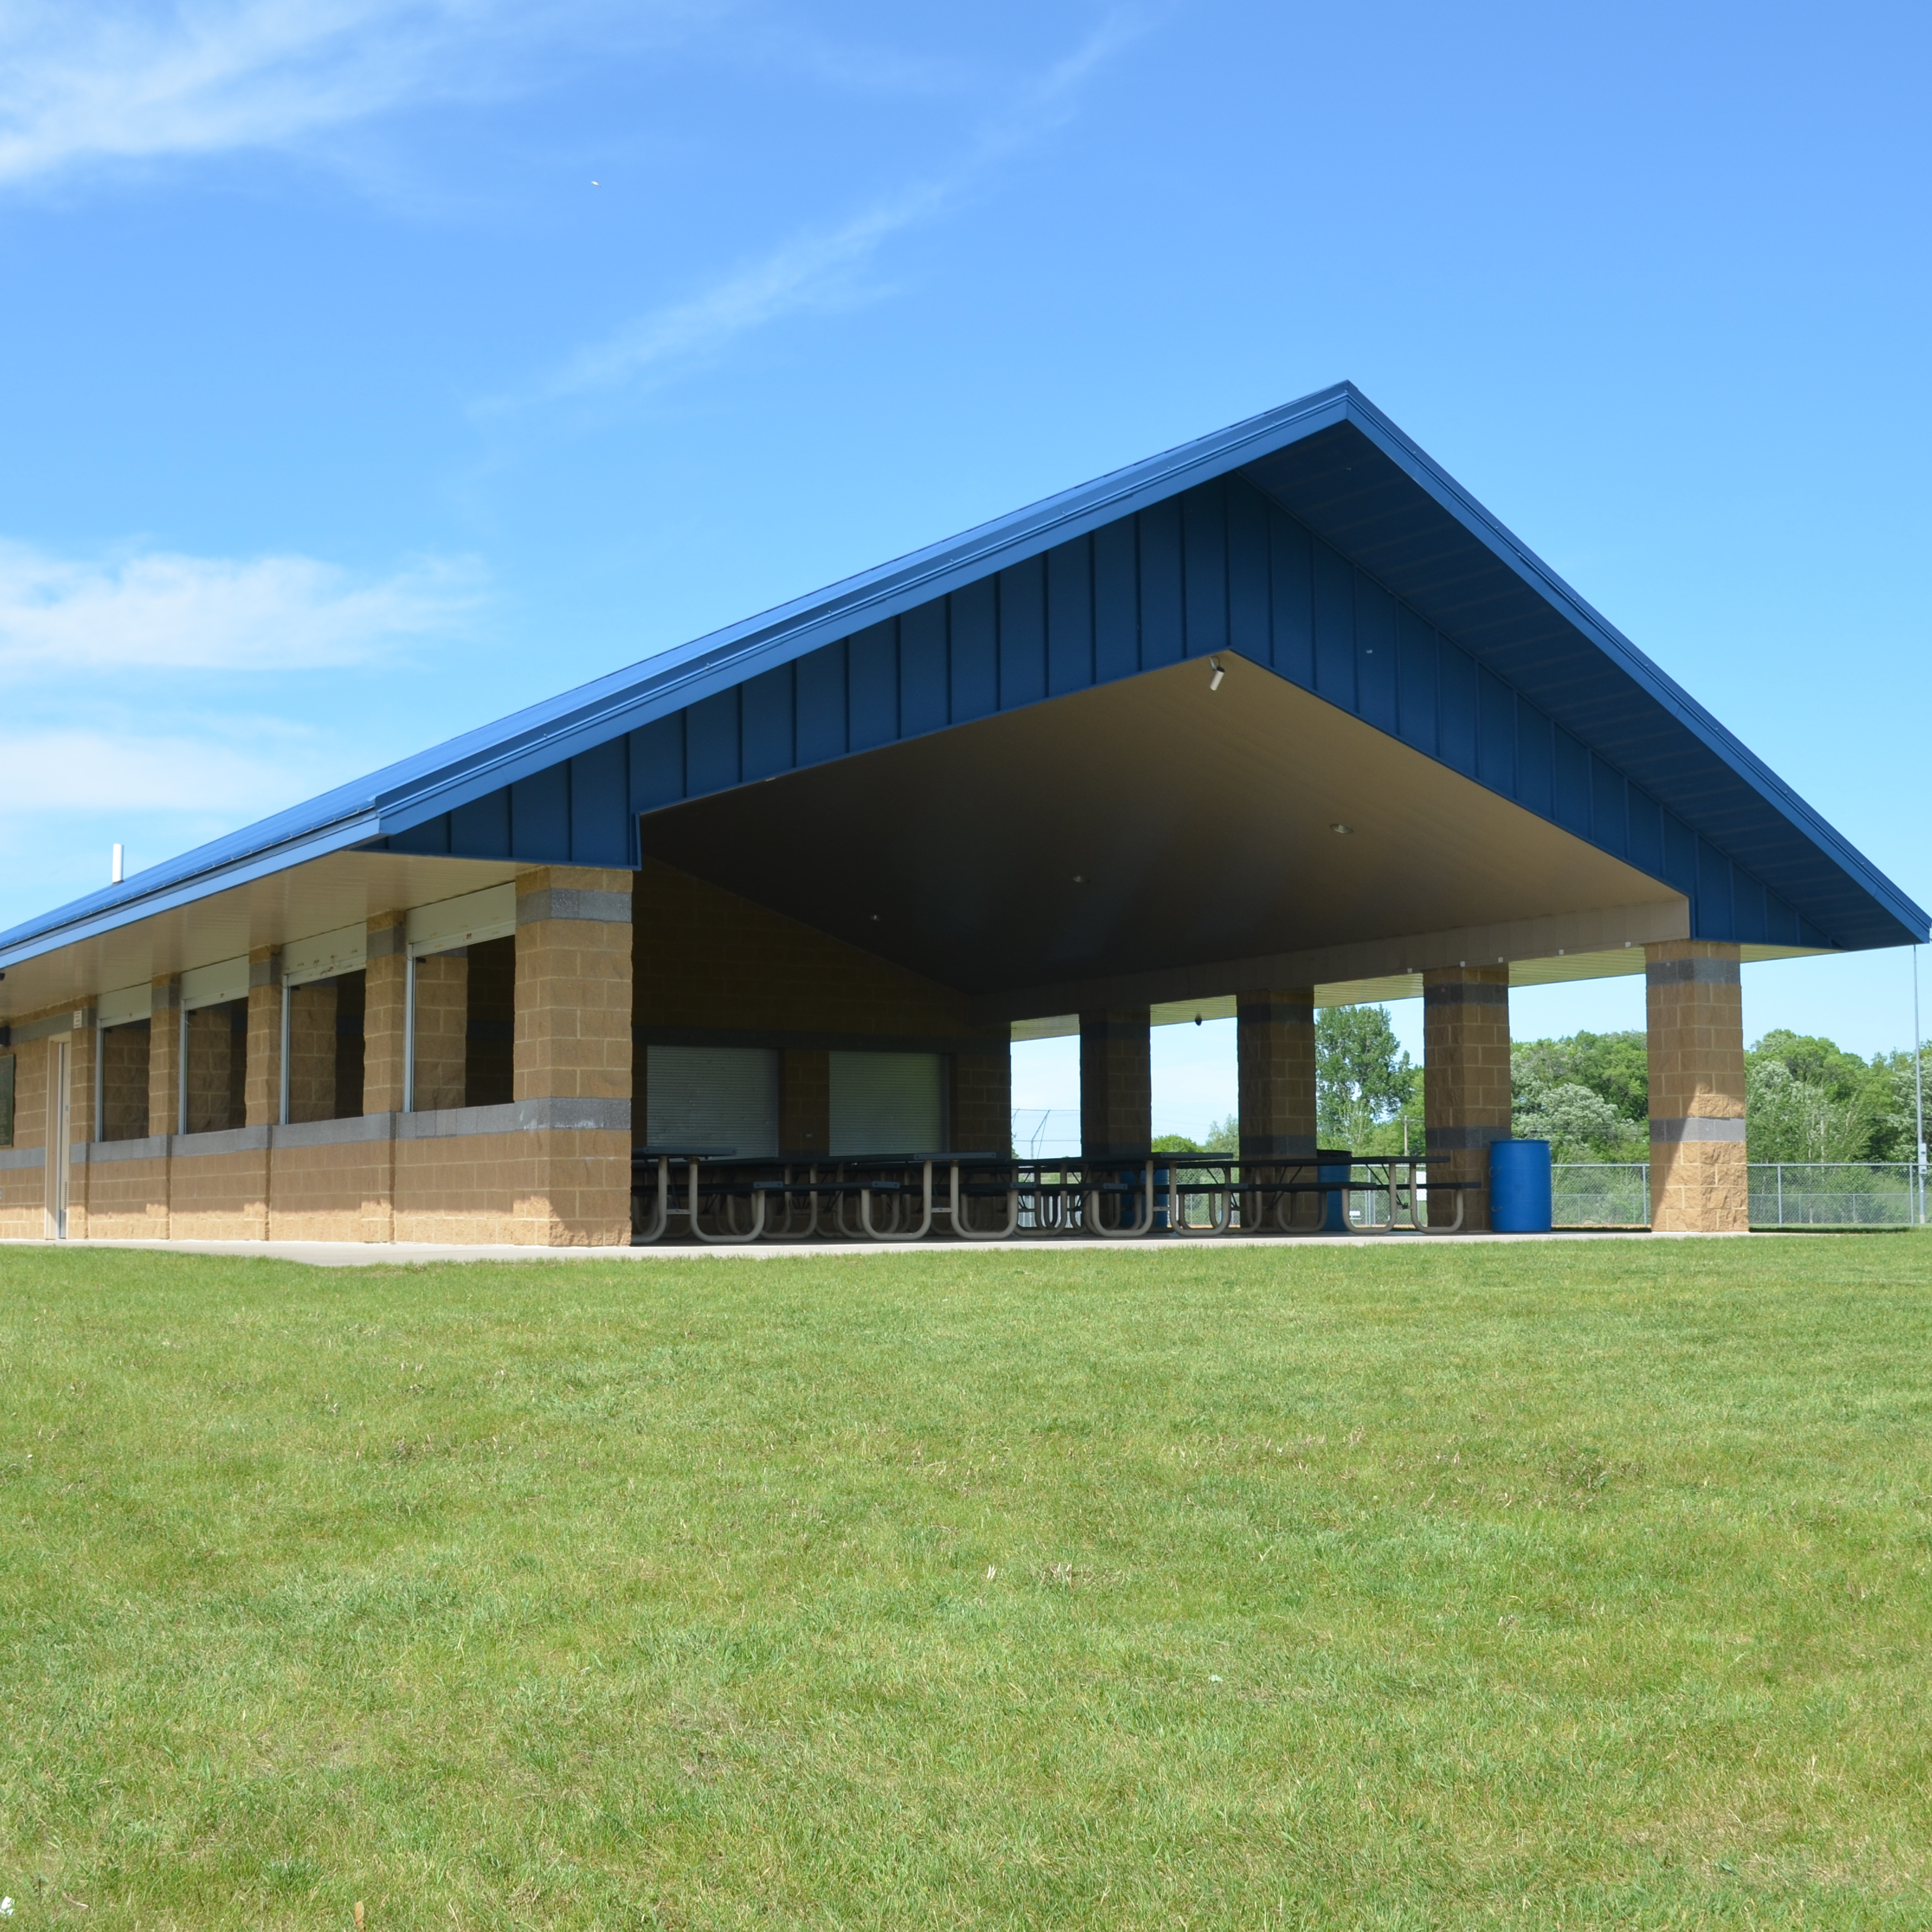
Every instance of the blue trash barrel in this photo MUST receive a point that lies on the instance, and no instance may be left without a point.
(1334, 1164)
(1519, 1187)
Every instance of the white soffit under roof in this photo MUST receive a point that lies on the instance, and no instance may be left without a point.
(212, 985)
(121, 1008)
(467, 921)
(324, 955)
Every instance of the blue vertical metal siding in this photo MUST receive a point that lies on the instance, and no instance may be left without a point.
(1220, 567)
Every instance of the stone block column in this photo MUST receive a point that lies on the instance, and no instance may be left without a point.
(164, 1038)
(1116, 1085)
(981, 1100)
(386, 982)
(573, 1051)
(1274, 1051)
(1694, 998)
(83, 1127)
(262, 1085)
(1465, 1081)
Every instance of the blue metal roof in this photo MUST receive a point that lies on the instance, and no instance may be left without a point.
(1300, 538)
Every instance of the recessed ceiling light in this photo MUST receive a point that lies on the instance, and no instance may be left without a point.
(1080, 878)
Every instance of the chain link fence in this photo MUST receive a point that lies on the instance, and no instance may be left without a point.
(1783, 1194)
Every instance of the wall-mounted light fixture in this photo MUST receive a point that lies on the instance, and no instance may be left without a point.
(1340, 830)
(1214, 683)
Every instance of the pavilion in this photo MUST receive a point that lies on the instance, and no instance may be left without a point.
(1279, 719)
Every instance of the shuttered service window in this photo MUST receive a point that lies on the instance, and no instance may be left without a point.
(712, 1096)
(886, 1103)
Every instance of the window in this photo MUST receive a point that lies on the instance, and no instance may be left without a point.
(325, 1047)
(124, 1080)
(714, 1097)
(887, 1103)
(462, 1018)
(6, 1100)
(215, 1067)
(215, 1047)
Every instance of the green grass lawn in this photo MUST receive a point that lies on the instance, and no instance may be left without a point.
(1556, 1584)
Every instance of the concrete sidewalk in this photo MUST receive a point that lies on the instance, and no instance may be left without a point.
(376, 1254)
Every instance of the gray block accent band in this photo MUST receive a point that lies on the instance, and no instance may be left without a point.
(266, 972)
(1274, 1013)
(1462, 1140)
(568, 902)
(164, 995)
(231, 1140)
(347, 1131)
(1466, 993)
(519, 1117)
(1693, 973)
(443, 1123)
(1274, 1146)
(383, 942)
(53, 1026)
(12, 1157)
(149, 1146)
(1697, 1127)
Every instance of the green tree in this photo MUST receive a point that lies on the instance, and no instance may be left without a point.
(1616, 1067)
(1578, 1123)
(1786, 1118)
(1364, 1081)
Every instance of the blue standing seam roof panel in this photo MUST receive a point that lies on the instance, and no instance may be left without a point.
(1357, 521)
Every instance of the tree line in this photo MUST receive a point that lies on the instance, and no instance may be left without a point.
(1588, 1095)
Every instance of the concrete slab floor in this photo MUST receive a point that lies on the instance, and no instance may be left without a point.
(377, 1254)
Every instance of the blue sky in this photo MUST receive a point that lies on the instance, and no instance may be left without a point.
(371, 368)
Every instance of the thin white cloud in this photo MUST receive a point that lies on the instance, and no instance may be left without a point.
(162, 610)
(817, 270)
(68, 771)
(89, 81)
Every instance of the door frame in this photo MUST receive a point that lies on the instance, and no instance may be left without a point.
(60, 1135)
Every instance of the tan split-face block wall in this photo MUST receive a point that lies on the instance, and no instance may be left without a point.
(563, 1178)
(23, 1188)
(1693, 997)
(1465, 1082)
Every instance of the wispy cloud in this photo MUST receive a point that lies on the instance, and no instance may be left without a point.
(160, 610)
(143, 773)
(89, 81)
(818, 269)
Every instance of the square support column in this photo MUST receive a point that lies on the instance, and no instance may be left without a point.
(1693, 993)
(1465, 1081)
(1274, 1051)
(573, 1051)
(385, 1025)
(1116, 1085)
(164, 1066)
(261, 1084)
